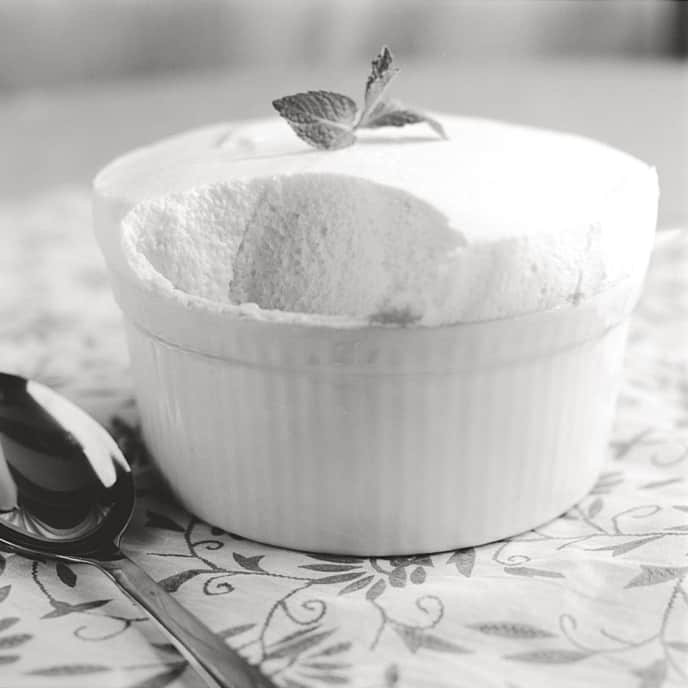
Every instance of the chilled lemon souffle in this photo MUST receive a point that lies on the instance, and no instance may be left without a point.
(408, 345)
(402, 228)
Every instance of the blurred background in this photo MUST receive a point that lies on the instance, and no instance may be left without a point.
(84, 80)
(53, 42)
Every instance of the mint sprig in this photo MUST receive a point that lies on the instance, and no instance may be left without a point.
(328, 120)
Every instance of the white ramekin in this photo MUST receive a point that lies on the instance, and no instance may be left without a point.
(377, 440)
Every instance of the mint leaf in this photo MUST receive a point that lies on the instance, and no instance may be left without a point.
(380, 77)
(392, 113)
(321, 118)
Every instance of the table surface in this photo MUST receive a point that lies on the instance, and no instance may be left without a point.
(596, 597)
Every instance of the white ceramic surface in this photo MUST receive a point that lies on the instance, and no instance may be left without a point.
(377, 440)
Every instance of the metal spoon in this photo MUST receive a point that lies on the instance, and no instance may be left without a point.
(66, 492)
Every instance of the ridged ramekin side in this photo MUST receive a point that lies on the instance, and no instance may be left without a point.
(379, 463)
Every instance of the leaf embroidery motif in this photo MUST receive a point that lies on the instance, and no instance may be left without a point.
(464, 560)
(433, 642)
(391, 676)
(65, 574)
(678, 645)
(163, 678)
(416, 638)
(528, 571)
(410, 636)
(618, 550)
(296, 634)
(174, 582)
(418, 575)
(11, 641)
(356, 585)
(236, 630)
(331, 568)
(298, 646)
(336, 649)
(8, 622)
(376, 590)
(595, 507)
(653, 575)
(249, 563)
(652, 676)
(397, 578)
(63, 608)
(339, 578)
(553, 656)
(70, 670)
(166, 648)
(511, 629)
(290, 683)
(326, 666)
(336, 559)
(331, 679)
(420, 560)
(660, 483)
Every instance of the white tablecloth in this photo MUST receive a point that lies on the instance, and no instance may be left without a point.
(598, 597)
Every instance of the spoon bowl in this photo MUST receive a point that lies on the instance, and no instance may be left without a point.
(67, 492)
(70, 489)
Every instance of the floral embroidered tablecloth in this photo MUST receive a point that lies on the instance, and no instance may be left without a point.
(598, 597)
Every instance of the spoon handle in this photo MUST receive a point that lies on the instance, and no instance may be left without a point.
(205, 651)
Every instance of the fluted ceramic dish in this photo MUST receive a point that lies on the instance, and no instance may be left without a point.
(377, 439)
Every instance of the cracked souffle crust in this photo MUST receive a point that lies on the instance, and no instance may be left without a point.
(401, 229)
